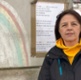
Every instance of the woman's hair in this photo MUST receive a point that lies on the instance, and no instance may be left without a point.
(59, 17)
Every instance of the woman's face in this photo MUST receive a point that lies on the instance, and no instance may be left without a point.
(69, 28)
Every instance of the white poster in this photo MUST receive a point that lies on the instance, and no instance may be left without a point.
(46, 14)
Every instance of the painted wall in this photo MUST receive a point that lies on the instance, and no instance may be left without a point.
(23, 9)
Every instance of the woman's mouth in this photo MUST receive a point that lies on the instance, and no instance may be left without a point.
(69, 34)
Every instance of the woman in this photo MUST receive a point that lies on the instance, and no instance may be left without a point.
(63, 61)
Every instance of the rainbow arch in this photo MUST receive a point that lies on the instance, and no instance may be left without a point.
(13, 42)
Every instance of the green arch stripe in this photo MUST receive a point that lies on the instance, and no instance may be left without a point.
(6, 22)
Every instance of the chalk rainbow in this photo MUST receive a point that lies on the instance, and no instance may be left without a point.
(14, 32)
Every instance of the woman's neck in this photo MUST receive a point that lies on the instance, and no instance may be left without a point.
(70, 43)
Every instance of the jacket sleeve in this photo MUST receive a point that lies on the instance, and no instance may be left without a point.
(44, 73)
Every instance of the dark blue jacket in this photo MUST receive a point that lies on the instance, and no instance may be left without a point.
(56, 66)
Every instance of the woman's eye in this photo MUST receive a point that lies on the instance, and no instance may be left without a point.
(63, 25)
(74, 24)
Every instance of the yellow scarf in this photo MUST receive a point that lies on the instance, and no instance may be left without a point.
(69, 51)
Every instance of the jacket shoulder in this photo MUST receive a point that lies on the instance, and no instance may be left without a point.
(54, 52)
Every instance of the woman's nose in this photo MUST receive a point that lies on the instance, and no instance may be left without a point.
(69, 26)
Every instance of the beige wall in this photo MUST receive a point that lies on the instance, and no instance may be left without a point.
(23, 8)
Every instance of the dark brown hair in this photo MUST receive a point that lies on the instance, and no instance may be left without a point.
(59, 17)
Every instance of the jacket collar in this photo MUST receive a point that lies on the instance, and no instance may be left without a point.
(56, 52)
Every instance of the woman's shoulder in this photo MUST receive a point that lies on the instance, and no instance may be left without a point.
(53, 52)
(53, 49)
